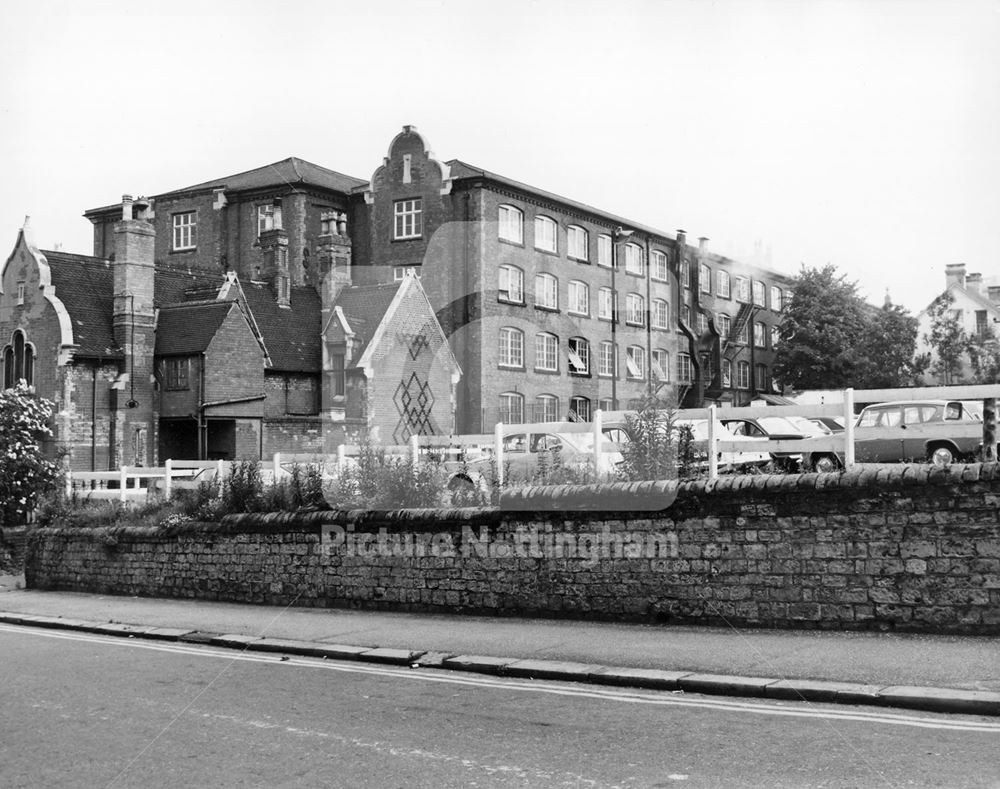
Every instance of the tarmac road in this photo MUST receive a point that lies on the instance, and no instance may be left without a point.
(86, 710)
(875, 658)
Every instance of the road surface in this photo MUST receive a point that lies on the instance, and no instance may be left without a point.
(85, 710)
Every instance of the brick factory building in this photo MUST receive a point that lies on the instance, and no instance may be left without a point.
(290, 308)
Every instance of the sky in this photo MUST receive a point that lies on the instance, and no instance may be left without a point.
(860, 134)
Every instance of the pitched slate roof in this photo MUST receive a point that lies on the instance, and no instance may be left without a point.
(288, 171)
(173, 284)
(183, 329)
(365, 306)
(85, 285)
(291, 336)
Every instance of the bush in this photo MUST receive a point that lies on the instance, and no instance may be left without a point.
(379, 482)
(243, 489)
(652, 452)
(25, 475)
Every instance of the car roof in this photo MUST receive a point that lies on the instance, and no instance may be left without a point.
(893, 403)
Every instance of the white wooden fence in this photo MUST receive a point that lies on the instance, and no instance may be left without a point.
(133, 484)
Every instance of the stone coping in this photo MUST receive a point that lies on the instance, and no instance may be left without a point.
(617, 500)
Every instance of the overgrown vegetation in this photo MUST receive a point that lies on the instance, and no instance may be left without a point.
(660, 448)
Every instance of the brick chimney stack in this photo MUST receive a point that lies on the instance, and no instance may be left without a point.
(974, 283)
(133, 317)
(954, 274)
(274, 244)
(334, 249)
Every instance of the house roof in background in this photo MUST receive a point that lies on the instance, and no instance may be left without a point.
(184, 329)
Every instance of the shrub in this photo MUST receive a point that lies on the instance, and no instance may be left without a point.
(652, 452)
(243, 489)
(25, 474)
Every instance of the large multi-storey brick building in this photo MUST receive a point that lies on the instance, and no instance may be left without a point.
(550, 308)
(555, 308)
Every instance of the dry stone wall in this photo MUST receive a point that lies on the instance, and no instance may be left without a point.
(912, 548)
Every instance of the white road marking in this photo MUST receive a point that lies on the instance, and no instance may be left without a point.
(659, 698)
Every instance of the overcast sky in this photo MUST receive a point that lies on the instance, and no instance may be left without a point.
(863, 134)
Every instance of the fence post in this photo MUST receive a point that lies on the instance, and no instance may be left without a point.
(277, 466)
(69, 484)
(498, 450)
(341, 458)
(848, 428)
(989, 430)
(415, 450)
(122, 484)
(598, 440)
(713, 441)
(220, 470)
(168, 468)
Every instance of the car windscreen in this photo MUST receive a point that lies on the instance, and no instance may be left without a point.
(777, 424)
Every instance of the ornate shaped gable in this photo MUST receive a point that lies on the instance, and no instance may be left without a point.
(410, 161)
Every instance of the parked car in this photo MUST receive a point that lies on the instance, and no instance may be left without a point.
(772, 428)
(730, 460)
(526, 453)
(832, 424)
(938, 431)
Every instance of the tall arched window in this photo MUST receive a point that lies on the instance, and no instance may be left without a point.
(18, 361)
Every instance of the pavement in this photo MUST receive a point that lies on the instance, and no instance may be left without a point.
(954, 674)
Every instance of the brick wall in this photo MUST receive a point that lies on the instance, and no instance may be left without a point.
(914, 549)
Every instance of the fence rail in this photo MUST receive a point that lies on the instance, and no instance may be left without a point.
(134, 484)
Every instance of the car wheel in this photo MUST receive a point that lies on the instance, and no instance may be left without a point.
(942, 456)
(825, 464)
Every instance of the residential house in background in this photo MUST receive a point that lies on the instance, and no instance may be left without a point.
(975, 307)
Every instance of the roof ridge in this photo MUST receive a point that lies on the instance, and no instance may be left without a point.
(198, 303)
(85, 258)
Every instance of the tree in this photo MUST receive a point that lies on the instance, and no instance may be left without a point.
(947, 338)
(831, 339)
(984, 356)
(887, 350)
(820, 332)
(25, 474)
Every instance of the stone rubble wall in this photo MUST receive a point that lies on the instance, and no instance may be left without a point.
(910, 548)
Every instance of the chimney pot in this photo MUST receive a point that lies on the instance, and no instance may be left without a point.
(126, 206)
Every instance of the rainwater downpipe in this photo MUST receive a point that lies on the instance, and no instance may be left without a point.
(93, 420)
(649, 325)
(202, 422)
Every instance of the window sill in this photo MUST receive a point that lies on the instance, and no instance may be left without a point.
(182, 250)
(578, 314)
(513, 303)
(553, 252)
(404, 239)
(573, 374)
(510, 242)
(540, 371)
(585, 261)
(511, 367)
(546, 309)
(635, 325)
